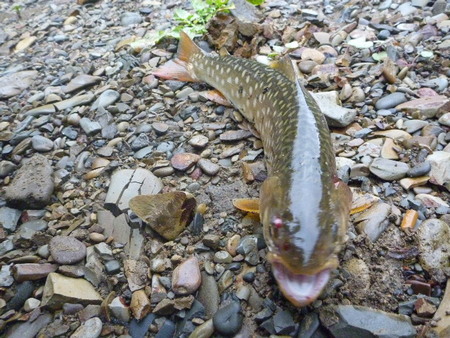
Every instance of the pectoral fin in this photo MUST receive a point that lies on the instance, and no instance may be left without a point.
(217, 97)
(247, 204)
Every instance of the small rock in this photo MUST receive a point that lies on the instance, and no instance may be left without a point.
(59, 289)
(140, 304)
(130, 18)
(9, 218)
(336, 115)
(90, 127)
(91, 328)
(6, 168)
(388, 170)
(441, 316)
(427, 107)
(228, 319)
(373, 221)
(433, 237)
(359, 321)
(184, 161)
(390, 101)
(424, 308)
(80, 82)
(199, 141)
(67, 250)
(105, 99)
(32, 271)
(208, 167)
(41, 143)
(440, 168)
(235, 135)
(186, 277)
(32, 187)
(31, 304)
(119, 309)
(420, 169)
(284, 323)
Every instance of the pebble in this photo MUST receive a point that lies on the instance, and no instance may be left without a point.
(433, 238)
(9, 218)
(67, 250)
(107, 98)
(31, 304)
(90, 127)
(388, 170)
(184, 161)
(32, 187)
(228, 319)
(390, 101)
(91, 328)
(440, 168)
(208, 167)
(186, 277)
(41, 143)
(373, 221)
(361, 320)
(420, 169)
(199, 141)
(130, 18)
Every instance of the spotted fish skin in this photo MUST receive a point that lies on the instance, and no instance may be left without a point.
(303, 206)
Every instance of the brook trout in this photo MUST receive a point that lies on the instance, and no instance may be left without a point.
(304, 207)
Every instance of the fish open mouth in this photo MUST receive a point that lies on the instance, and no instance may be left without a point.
(299, 289)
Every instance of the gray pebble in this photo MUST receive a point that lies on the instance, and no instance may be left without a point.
(41, 143)
(420, 169)
(390, 101)
(67, 250)
(130, 18)
(208, 167)
(70, 132)
(90, 127)
(388, 170)
(228, 319)
(140, 142)
(6, 168)
(112, 267)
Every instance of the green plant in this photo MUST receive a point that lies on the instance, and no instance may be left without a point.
(194, 24)
(17, 9)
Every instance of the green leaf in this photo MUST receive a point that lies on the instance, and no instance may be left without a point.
(379, 56)
(181, 14)
(256, 2)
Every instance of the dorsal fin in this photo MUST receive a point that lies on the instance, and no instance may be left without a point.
(187, 48)
(286, 67)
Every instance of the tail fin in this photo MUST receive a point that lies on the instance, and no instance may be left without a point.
(187, 47)
(177, 69)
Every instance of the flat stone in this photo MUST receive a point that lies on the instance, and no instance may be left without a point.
(107, 98)
(140, 304)
(130, 18)
(128, 183)
(235, 135)
(32, 271)
(441, 317)
(9, 218)
(184, 161)
(80, 82)
(186, 277)
(445, 120)
(119, 309)
(14, 83)
(208, 294)
(426, 107)
(440, 168)
(29, 328)
(32, 187)
(6, 168)
(208, 167)
(75, 101)
(420, 169)
(374, 220)
(67, 250)
(388, 170)
(168, 214)
(22, 293)
(284, 323)
(360, 321)
(31, 304)
(91, 328)
(390, 101)
(336, 115)
(90, 127)
(60, 289)
(228, 319)
(41, 143)
(199, 141)
(433, 238)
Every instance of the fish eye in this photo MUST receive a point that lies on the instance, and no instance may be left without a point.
(277, 222)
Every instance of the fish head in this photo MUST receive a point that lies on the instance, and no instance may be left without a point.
(302, 253)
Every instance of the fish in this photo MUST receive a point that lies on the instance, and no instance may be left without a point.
(303, 206)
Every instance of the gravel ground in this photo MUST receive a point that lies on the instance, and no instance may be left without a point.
(85, 127)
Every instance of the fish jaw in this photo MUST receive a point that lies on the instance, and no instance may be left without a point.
(300, 289)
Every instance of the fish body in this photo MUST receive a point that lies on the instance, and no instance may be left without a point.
(303, 206)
